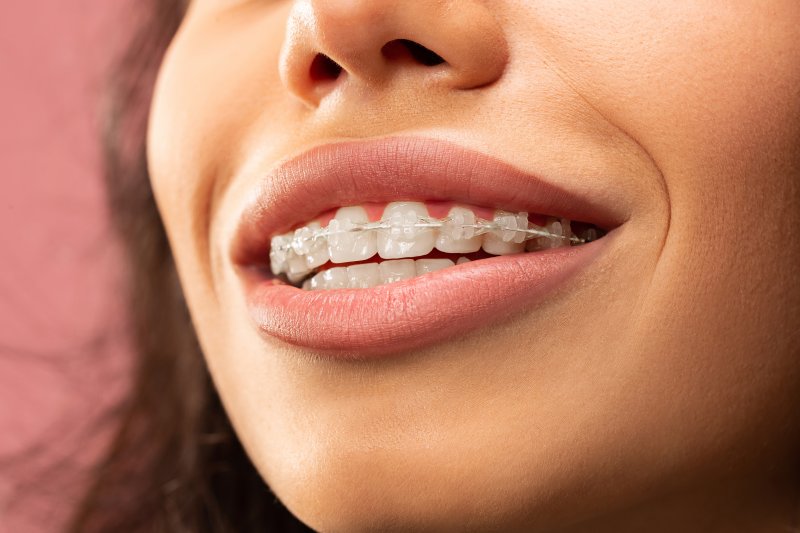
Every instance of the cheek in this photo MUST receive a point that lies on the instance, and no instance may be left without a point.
(218, 84)
(710, 95)
(714, 98)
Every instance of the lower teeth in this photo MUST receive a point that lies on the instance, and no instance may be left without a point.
(368, 275)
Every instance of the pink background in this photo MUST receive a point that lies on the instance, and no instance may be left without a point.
(62, 348)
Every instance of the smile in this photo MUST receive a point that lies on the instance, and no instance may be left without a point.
(381, 275)
(407, 230)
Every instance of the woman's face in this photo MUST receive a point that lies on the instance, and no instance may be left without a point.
(638, 379)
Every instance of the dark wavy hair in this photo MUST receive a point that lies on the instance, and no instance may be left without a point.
(175, 463)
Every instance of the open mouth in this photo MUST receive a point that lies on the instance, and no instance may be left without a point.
(374, 247)
(367, 245)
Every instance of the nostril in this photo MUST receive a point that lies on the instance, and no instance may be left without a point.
(401, 48)
(323, 68)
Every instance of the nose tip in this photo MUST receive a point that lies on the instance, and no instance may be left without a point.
(456, 44)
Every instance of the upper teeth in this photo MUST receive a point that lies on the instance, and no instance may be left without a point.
(406, 230)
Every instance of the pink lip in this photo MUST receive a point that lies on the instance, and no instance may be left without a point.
(394, 318)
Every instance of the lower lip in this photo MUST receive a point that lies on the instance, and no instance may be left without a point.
(391, 319)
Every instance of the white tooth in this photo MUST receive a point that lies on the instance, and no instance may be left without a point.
(279, 253)
(555, 228)
(432, 265)
(294, 278)
(510, 223)
(307, 285)
(501, 242)
(363, 276)
(462, 260)
(350, 246)
(301, 240)
(492, 244)
(317, 250)
(297, 265)
(454, 238)
(391, 271)
(400, 239)
(317, 258)
(334, 278)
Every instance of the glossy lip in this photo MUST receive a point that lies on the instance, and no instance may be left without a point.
(388, 319)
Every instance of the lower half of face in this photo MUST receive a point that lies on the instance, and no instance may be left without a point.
(516, 264)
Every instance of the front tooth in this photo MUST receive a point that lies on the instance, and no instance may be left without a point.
(363, 276)
(391, 271)
(432, 265)
(457, 235)
(401, 239)
(501, 241)
(344, 245)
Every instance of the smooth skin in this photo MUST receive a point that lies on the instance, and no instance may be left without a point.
(656, 391)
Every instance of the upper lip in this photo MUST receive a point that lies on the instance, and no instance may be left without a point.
(399, 168)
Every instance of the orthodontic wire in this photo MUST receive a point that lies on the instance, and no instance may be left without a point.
(481, 226)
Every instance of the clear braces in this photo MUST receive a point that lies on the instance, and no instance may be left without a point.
(510, 227)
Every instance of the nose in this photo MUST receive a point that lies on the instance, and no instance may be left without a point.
(455, 44)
